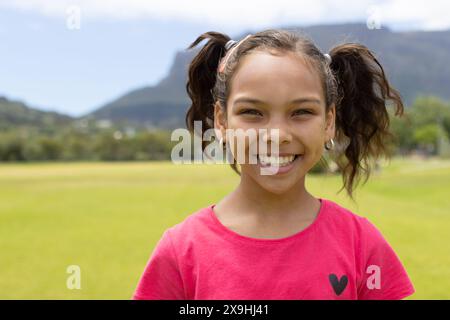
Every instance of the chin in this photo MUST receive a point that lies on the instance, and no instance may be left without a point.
(277, 188)
(277, 185)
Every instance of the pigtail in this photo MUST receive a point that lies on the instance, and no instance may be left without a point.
(362, 118)
(201, 79)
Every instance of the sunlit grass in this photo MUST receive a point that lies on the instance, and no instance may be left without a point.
(107, 217)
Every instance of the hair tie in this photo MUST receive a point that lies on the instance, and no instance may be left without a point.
(228, 45)
(327, 57)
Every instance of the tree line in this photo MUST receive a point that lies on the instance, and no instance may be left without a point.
(424, 128)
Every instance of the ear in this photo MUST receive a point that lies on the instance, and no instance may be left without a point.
(330, 119)
(220, 119)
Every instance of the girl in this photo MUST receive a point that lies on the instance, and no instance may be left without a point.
(270, 238)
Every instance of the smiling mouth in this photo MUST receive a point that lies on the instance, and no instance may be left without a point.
(277, 161)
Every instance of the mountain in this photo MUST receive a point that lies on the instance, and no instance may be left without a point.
(16, 114)
(161, 106)
(416, 62)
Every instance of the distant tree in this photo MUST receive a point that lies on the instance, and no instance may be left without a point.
(428, 137)
(11, 149)
(403, 132)
(428, 109)
(51, 149)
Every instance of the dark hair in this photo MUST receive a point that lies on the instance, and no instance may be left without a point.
(354, 81)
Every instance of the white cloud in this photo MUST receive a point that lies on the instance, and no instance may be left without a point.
(432, 14)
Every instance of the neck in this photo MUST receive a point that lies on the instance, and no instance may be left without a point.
(251, 197)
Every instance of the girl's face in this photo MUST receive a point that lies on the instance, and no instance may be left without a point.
(277, 81)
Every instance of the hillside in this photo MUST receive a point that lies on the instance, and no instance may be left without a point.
(15, 114)
(415, 62)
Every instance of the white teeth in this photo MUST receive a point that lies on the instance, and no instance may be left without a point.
(275, 161)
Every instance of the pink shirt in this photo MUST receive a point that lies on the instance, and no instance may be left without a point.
(339, 256)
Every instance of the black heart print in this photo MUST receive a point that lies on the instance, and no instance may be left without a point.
(338, 285)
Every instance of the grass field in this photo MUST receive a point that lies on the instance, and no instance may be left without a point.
(106, 218)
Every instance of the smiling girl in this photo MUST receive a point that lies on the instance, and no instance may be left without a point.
(270, 238)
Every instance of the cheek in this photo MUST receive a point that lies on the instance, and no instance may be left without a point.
(241, 131)
(311, 137)
(311, 134)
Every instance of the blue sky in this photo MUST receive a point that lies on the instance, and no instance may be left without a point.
(120, 45)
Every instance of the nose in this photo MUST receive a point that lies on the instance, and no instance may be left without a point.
(277, 132)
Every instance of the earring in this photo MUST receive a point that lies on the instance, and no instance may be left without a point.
(327, 147)
(221, 141)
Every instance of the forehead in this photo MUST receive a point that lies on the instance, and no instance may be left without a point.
(275, 78)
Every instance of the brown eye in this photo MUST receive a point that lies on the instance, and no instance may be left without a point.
(250, 112)
(302, 111)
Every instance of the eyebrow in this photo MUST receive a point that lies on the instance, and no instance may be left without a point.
(295, 101)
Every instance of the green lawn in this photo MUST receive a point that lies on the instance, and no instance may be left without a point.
(106, 218)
